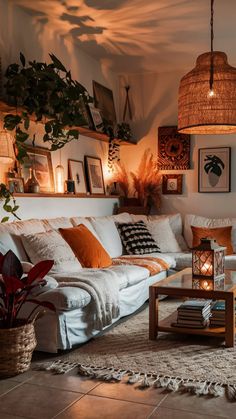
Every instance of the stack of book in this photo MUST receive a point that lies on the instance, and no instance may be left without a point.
(194, 314)
(218, 314)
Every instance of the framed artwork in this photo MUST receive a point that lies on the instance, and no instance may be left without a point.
(172, 184)
(86, 114)
(214, 167)
(39, 159)
(103, 99)
(76, 173)
(16, 184)
(96, 118)
(94, 174)
(173, 149)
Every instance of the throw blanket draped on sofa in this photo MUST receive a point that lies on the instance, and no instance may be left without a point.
(153, 264)
(103, 286)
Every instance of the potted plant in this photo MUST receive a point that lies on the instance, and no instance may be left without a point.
(17, 335)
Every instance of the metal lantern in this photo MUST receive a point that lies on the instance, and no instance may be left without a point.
(208, 260)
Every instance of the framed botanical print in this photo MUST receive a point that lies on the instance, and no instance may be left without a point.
(214, 166)
(76, 173)
(39, 159)
(173, 149)
(94, 175)
(172, 184)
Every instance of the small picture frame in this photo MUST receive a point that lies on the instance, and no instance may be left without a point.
(76, 173)
(15, 184)
(172, 184)
(214, 167)
(94, 173)
(39, 159)
(97, 118)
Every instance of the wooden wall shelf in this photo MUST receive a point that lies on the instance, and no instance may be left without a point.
(5, 109)
(60, 195)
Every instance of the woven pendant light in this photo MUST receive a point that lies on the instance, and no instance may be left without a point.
(207, 95)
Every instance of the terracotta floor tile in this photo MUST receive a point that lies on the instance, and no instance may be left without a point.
(214, 406)
(164, 412)
(92, 407)
(131, 393)
(69, 382)
(25, 376)
(6, 385)
(32, 401)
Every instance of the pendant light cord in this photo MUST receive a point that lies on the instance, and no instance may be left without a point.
(212, 39)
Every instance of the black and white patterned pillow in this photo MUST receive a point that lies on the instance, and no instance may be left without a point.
(136, 238)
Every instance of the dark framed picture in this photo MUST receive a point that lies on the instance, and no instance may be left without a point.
(39, 159)
(96, 118)
(173, 149)
(76, 173)
(86, 114)
(103, 99)
(214, 170)
(16, 184)
(172, 184)
(94, 173)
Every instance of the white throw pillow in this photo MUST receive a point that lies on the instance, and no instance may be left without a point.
(56, 223)
(14, 243)
(198, 221)
(137, 217)
(163, 235)
(108, 235)
(51, 245)
(176, 226)
(85, 221)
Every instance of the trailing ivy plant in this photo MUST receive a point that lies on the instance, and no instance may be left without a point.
(45, 93)
(9, 202)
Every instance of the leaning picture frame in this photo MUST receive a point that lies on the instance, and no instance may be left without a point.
(94, 174)
(77, 174)
(214, 170)
(96, 118)
(15, 184)
(103, 99)
(39, 159)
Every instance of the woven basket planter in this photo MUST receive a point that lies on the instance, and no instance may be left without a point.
(16, 349)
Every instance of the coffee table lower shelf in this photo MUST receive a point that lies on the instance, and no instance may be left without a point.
(165, 326)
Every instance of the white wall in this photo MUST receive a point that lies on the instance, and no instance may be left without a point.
(154, 104)
(20, 32)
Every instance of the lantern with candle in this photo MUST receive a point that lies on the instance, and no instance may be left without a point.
(208, 265)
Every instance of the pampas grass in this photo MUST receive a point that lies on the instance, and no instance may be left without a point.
(121, 177)
(147, 181)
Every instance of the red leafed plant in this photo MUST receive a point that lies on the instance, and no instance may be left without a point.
(15, 288)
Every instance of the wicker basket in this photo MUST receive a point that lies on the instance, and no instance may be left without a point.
(16, 349)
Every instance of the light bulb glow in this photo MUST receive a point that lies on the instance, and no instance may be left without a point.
(211, 93)
(60, 179)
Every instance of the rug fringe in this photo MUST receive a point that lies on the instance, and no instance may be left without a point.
(144, 380)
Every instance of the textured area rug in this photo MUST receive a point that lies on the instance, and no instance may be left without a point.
(198, 364)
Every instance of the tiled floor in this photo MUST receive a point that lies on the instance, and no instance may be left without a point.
(41, 395)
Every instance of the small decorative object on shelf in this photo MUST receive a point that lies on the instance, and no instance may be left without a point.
(32, 184)
(70, 186)
(60, 177)
(208, 265)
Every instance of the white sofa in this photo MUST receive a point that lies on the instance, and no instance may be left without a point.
(72, 324)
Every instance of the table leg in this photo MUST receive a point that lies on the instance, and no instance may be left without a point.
(153, 313)
(229, 320)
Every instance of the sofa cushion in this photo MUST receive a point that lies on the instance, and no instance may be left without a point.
(12, 242)
(221, 234)
(129, 275)
(85, 221)
(176, 224)
(56, 223)
(108, 235)
(66, 298)
(163, 235)
(136, 238)
(86, 247)
(51, 245)
(199, 221)
(137, 217)
(23, 227)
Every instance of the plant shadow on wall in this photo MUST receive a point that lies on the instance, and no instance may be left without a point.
(44, 93)
(146, 182)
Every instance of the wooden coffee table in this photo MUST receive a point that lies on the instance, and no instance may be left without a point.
(180, 285)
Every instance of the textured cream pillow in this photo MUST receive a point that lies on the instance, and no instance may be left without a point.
(51, 245)
(163, 235)
(176, 225)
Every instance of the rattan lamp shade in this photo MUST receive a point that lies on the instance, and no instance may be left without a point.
(202, 113)
(7, 154)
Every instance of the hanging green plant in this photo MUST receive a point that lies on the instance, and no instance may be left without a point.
(9, 202)
(44, 93)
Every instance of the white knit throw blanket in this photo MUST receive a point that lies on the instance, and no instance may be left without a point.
(103, 286)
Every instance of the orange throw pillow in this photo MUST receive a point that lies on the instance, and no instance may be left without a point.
(86, 247)
(221, 234)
